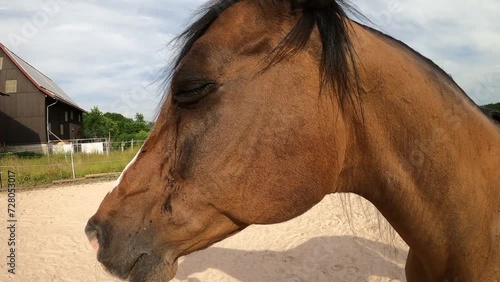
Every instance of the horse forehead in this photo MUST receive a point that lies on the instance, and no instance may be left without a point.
(242, 29)
(237, 24)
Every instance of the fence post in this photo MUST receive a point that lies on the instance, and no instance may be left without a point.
(132, 145)
(72, 162)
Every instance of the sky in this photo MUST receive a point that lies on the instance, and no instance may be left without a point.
(111, 53)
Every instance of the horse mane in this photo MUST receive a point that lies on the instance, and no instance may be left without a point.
(206, 16)
(338, 57)
(338, 67)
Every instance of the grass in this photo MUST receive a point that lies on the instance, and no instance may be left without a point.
(35, 169)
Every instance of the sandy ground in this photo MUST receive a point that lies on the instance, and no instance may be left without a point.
(321, 245)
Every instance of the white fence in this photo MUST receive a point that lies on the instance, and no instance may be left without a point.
(86, 146)
(71, 159)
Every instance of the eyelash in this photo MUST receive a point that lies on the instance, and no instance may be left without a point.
(186, 97)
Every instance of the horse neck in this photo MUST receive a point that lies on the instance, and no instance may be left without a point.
(424, 156)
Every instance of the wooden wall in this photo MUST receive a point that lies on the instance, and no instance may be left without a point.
(22, 114)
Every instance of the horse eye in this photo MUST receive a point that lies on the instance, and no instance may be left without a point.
(194, 93)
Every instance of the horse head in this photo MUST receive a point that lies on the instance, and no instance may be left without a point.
(243, 137)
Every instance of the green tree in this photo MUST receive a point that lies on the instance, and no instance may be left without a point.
(141, 123)
(139, 118)
(142, 135)
(495, 107)
(97, 125)
(150, 125)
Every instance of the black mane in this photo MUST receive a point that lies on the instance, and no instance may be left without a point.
(338, 58)
(338, 66)
(206, 16)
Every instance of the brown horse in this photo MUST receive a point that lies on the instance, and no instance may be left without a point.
(275, 104)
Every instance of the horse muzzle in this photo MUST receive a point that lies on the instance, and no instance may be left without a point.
(129, 256)
(117, 256)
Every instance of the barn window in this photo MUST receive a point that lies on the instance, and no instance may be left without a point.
(1, 62)
(79, 117)
(11, 86)
(71, 115)
(65, 116)
(61, 129)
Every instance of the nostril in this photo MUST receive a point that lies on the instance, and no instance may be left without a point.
(98, 233)
(93, 232)
(95, 244)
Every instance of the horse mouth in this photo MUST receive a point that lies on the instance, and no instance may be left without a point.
(132, 270)
(124, 274)
(147, 267)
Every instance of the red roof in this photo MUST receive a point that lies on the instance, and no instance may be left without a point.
(41, 81)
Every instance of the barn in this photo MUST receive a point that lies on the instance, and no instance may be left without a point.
(34, 111)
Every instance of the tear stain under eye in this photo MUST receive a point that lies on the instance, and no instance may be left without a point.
(177, 122)
(167, 206)
(171, 170)
(171, 179)
(183, 160)
(186, 157)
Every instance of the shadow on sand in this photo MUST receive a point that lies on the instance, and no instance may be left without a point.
(334, 258)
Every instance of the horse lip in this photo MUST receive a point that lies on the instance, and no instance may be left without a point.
(126, 274)
(137, 274)
(133, 267)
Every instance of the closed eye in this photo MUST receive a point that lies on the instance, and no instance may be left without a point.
(193, 93)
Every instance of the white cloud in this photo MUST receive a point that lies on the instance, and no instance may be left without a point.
(108, 53)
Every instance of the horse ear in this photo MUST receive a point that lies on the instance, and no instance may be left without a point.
(311, 4)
